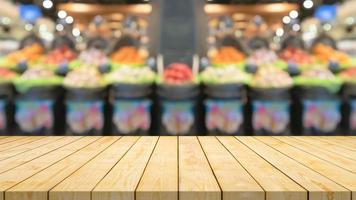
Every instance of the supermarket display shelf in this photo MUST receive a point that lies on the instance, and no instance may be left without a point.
(185, 168)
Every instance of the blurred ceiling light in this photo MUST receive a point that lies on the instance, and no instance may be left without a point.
(280, 32)
(76, 32)
(294, 14)
(286, 19)
(69, 19)
(28, 27)
(5, 20)
(62, 14)
(308, 4)
(327, 27)
(350, 20)
(296, 27)
(48, 4)
(59, 27)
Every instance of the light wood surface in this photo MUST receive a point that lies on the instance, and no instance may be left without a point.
(121, 182)
(343, 177)
(157, 183)
(221, 162)
(27, 147)
(277, 186)
(177, 168)
(78, 186)
(196, 179)
(319, 187)
(325, 154)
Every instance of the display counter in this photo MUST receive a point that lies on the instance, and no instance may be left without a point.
(185, 168)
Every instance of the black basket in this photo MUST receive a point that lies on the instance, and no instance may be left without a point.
(133, 93)
(271, 95)
(226, 94)
(315, 93)
(81, 95)
(39, 93)
(6, 95)
(349, 95)
(126, 90)
(179, 95)
(225, 91)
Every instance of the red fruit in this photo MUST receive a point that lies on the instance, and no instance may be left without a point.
(178, 73)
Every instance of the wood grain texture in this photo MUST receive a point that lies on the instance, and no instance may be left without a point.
(20, 159)
(343, 177)
(18, 142)
(37, 186)
(9, 179)
(338, 160)
(221, 162)
(339, 143)
(156, 183)
(329, 147)
(79, 185)
(6, 139)
(276, 185)
(196, 179)
(177, 168)
(318, 186)
(27, 147)
(120, 183)
(344, 142)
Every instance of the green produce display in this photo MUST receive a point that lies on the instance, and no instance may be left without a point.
(90, 57)
(131, 75)
(37, 76)
(349, 75)
(271, 77)
(84, 77)
(317, 76)
(224, 75)
(6, 75)
(264, 58)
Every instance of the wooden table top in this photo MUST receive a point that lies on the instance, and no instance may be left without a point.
(172, 168)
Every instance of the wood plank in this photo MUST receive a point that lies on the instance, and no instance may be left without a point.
(37, 186)
(329, 147)
(19, 142)
(235, 182)
(340, 161)
(78, 186)
(23, 158)
(276, 185)
(121, 182)
(333, 172)
(319, 187)
(196, 179)
(3, 137)
(10, 178)
(27, 147)
(160, 179)
(340, 142)
(7, 139)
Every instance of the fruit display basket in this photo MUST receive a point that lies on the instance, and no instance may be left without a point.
(131, 100)
(178, 93)
(225, 99)
(37, 101)
(97, 91)
(85, 101)
(317, 91)
(271, 102)
(6, 99)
